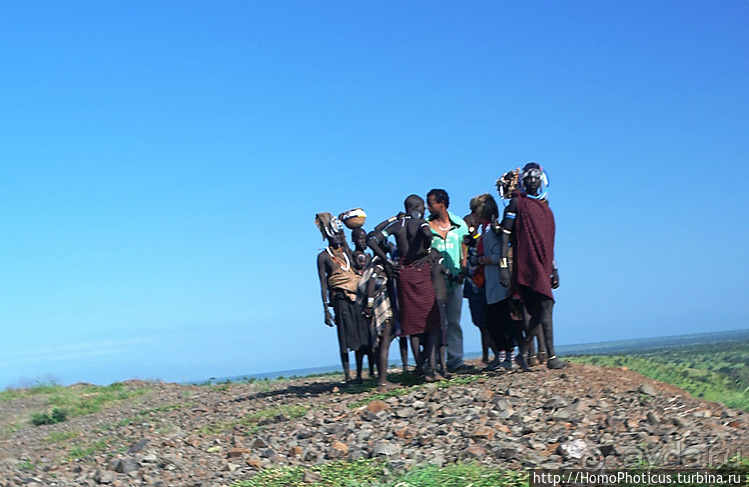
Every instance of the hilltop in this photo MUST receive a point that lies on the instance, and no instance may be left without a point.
(153, 433)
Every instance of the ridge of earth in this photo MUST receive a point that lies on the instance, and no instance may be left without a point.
(211, 436)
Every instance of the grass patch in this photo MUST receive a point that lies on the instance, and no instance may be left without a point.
(254, 420)
(714, 372)
(461, 475)
(409, 385)
(9, 428)
(38, 388)
(374, 472)
(92, 399)
(60, 436)
(69, 402)
(147, 412)
(80, 452)
(57, 415)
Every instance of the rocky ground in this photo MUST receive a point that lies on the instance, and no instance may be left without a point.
(178, 435)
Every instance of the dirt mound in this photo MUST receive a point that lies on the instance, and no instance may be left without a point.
(170, 434)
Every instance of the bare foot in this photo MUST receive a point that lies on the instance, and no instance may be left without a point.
(387, 386)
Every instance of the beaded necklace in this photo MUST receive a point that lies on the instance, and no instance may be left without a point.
(338, 260)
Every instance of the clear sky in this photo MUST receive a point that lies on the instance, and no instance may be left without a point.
(162, 163)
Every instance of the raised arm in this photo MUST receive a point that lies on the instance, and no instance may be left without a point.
(377, 238)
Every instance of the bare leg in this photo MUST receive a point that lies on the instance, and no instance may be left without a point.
(432, 341)
(345, 363)
(418, 355)
(540, 338)
(359, 355)
(403, 344)
(484, 346)
(382, 380)
(371, 361)
(442, 360)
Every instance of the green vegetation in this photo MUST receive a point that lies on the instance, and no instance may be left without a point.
(36, 389)
(374, 472)
(56, 416)
(406, 380)
(713, 371)
(79, 452)
(92, 399)
(283, 413)
(147, 412)
(69, 402)
(60, 436)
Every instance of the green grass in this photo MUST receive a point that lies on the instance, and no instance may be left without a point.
(252, 420)
(58, 415)
(60, 436)
(81, 452)
(147, 412)
(92, 399)
(69, 402)
(38, 388)
(374, 472)
(715, 372)
(409, 384)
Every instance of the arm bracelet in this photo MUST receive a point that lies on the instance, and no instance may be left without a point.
(503, 263)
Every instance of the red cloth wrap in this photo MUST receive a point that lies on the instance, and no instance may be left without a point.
(533, 246)
(416, 300)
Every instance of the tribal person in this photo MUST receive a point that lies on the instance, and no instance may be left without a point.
(448, 230)
(440, 275)
(361, 257)
(504, 331)
(417, 306)
(473, 286)
(528, 225)
(506, 186)
(338, 285)
(375, 296)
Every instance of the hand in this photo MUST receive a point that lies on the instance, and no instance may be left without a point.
(458, 278)
(328, 318)
(504, 276)
(554, 279)
(368, 311)
(393, 270)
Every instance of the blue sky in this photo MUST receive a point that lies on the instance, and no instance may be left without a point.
(162, 163)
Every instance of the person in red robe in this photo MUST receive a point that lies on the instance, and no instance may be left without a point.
(528, 226)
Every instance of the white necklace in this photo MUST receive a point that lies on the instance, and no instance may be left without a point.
(336, 260)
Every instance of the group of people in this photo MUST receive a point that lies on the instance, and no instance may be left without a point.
(413, 287)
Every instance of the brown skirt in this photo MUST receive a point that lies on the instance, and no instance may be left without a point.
(416, 300)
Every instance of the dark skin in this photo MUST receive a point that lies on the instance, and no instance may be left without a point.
(388, 248)
(439, 276)
(532, 186)
(538, 309)
(387, 330)
(361, 257)
(359, 263)
(325, 265)
(473, 220)
(413, 237)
